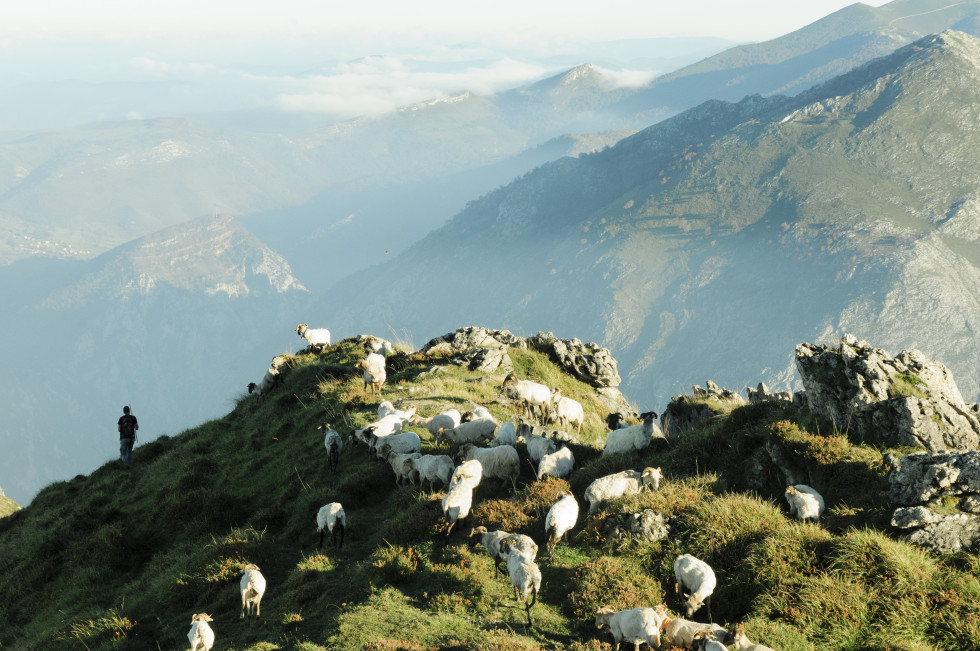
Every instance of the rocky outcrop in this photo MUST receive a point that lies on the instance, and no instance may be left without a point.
(936, 533)
(762, 394)
(645, 526)
(906, 400)
(704, 404)
(590, 363)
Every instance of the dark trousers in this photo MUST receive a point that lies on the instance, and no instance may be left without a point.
(126, 450)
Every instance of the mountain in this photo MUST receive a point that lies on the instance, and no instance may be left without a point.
(172, 323)
(713, 239)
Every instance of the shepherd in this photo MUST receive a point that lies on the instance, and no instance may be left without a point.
(127, 427)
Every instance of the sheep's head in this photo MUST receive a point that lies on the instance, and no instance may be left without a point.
(693, 605)
(252, 386)
(651, 478)
(464, 452)
(204, 617)
(602, 616)
(476, 535)
(250, 566)
(324, 427)
(648, 416)
(791, 492)
(301, 329)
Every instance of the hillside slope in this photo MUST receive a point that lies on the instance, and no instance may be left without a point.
(120, 559)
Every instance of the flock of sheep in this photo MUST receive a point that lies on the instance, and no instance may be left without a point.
(499, 460)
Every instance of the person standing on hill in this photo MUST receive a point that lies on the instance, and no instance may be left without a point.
(127, 435)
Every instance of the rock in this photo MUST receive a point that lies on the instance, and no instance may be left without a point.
(590, 363)
(687, 412)
(470, 337)
(908, 400)
(923, 477)
(645, 526)
(487, 360)
(914, 517)
(970, 504)
(952, 534)
(762, 394)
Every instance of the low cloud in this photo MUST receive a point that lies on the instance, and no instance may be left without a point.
(152, 65)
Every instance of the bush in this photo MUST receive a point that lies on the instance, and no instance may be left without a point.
(618, 582)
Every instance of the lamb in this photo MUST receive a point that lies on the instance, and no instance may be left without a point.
(401, 464)
(537, 445)
(446, 420)
(333, 443)
(403, 443)
(458, 500)
(433, 468)
(201, 636)
(317, 338)
(524, 576)
(567, 411)
(374, 372)
(500, 462)
(627, 482)
(742, 643)
(634, 437)
(804, 502)
(557, 464)
(561, 517)
(252, 587)
(636, 625)
(332, 518)
(474, 431)
(269, 380)
(697, 576)
(681, 632)
(506, 435)
(531, 395)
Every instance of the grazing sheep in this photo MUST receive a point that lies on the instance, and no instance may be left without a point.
(317, 338)
(385, 408)
(269, 380)
(201, 636)
(332, 518)
(378, 345)
(469, 471)
(506, 435)
(705, 641)
(374, 372)
(627, 482)
(636, 625)
(634, 437)
(681, 632)
(531, 395)
(433, 468)
(333, 443)
(458, 500)
(696, 576)
(561, 517)
(475, 413)
(252, 587)
(614, 421)
(567, 411)
(557, 464)
(804, 502)
(743, 643)
(446, 420)
(474, 431)
(390, 424)
(537, 445)
(501, 462)
(519, 544)
(401, 464)
(524, 576)
(402, 443)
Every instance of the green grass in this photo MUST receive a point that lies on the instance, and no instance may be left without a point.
(120, 559)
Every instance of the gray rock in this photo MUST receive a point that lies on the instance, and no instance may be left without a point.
(762, 394)
(952, 534)
(914, 517)
(926, 476)
(486, 360)
(700, 408)
(589, 362)
(645, 526)
(470, 337)
(970, 504)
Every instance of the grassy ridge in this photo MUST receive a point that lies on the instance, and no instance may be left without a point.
(121, 559)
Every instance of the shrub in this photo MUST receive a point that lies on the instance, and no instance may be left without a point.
(619, 582)
(395, 564)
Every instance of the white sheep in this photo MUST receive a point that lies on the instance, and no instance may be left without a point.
(636, 625)
(531, 395)
(374, 372)
(627, 482)
(506, 435)
(524, 576)
(694, 575)
(519, 544)
(385, 408)
(401, 464)
(390, 424)
(433, 468)
(332, 518)
(537, 445)
(201, 636)
(477, 412)
(634, 437)
(557, 464)
(316, 338)
(401, 443)
(705, 641)
(474, 431)
(567, 411)
(469, 471)
(458, 500)
(561, 517)
(804, 502)
(378, 345)
(269, 380)
(333, 443)
(252, 588)
(680, 632)
(501, 462)
(743, 643)
(445, 420)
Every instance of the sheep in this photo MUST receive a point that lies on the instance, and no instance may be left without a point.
(269, 380)
(391, 424)
(445, 420)
(458, 500)
(524, 576)
(332, 518)
(627, 482)
(537, 446)
(614, 421)
(697, 576)
(469, 471)
(378, 345)
(333, 443)
(561, 517)
(475, 413)
(636, 625)
(402, 443)
(374, 372)
(252, 587)
(506, 435)
(634, 437)
(567, 411)
(432, 468)
(316, 338)
(804, 502)
(705, 641)
(681, 632)
(474, 431)
(500, 462)
(742, 643)
(201, 636)
(557, 464)
(401, 464)
(519, 544)
(385, 408)
(531, 395)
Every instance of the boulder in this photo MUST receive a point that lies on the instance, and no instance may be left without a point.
(762, 394)
(589, 362)
(645, 526)
(906, 400)
(684, 412)
(924, 477)
(470, 337)
(951, 534)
